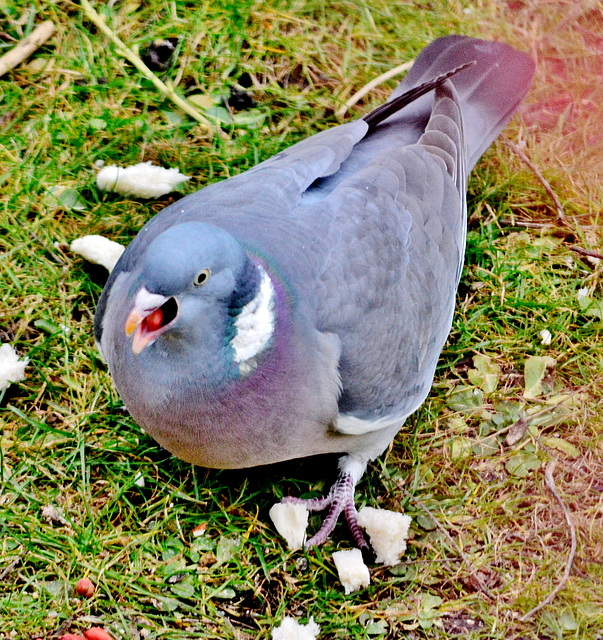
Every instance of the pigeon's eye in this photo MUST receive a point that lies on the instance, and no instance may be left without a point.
(202, 277)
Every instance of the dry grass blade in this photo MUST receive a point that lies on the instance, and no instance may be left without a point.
(7, 570)
(586, 252)
(384, 77)
(526, 224)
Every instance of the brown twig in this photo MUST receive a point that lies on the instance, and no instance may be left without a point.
(545, 183)
(550, 483)
(45, 245)
(448, 537)
(63, 627)
(586, 252)
(26, 47)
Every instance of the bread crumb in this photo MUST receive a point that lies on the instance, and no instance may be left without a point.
(387, 530)
(353, 573)
(99, 250)
(144, 180)
(12, 368)
(291, 629)
(291, 521)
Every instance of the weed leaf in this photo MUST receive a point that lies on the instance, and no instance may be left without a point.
(534, 372)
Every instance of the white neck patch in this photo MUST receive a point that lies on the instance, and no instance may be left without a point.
(254, 325)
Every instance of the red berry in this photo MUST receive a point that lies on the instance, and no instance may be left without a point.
(72, 636)
(96, 633)
(85, 587)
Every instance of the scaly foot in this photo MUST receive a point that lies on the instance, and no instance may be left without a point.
(340, 499)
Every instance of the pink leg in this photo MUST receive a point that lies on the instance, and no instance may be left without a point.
(340, 499)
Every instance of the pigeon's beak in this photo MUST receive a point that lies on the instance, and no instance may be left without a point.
(147, 320)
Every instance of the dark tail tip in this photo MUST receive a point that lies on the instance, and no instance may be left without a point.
(378, 115)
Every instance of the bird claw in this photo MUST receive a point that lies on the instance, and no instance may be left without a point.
(340, 499)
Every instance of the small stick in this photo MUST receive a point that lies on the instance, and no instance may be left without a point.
(448, 537)
(166, 89)
(505, 222)
(26, 47)
(371, 85)
(547, 187)
(586, 252)
(550, 483)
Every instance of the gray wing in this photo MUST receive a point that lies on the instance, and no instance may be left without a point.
(388, 287)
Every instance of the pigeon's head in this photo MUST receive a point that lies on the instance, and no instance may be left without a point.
(199, 295)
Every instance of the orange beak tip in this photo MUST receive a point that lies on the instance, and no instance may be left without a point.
(134, 319)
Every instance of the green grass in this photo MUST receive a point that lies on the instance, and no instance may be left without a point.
(68, 444)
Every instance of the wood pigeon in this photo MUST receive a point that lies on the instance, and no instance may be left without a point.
(300, 308)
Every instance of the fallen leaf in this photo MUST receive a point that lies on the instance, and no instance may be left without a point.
(534, 372)
(516, 432)
(521, 463)
(561, 445)
(485, 375)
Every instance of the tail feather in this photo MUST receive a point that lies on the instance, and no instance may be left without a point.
(489, 91)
